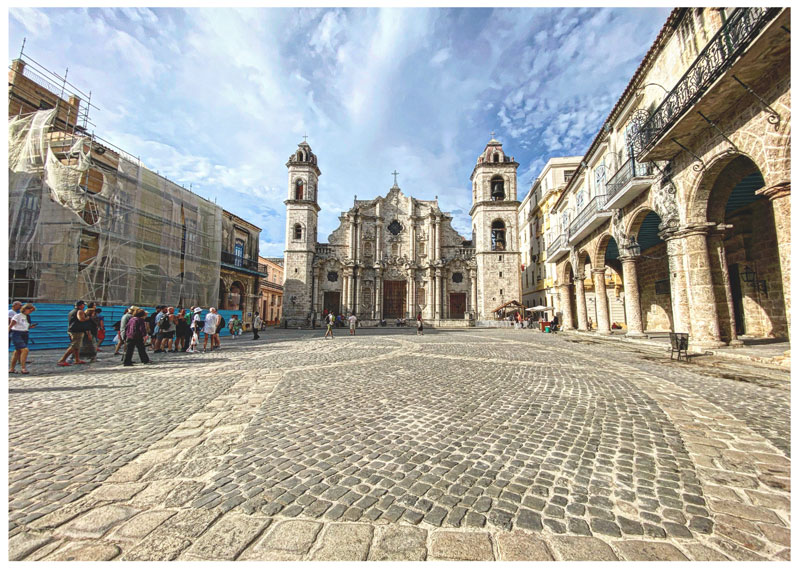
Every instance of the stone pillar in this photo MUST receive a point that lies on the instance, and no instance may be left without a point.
(346, 287)
(633, 307)
(677, 283)
(359, 246)
(410, 295)
(779, 195)
(357, 299)
(566, 307)
(378, 295)
(601, 301)
(702, 304)
(351, 254)
(716, 248)
(473, 282)
(438, 295)
(580, 302)
(438, 237)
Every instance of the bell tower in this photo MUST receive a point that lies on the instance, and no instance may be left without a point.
(301, 235)
(495, 228)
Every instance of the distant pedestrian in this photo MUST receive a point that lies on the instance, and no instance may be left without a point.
(122, 323)
(16, 308)
(234, 326)
(135, 332)
(210, 328)
(331, 319)
(18, 328)
(352, 321)
(76, 329)
(220, 327)
(419, 325)
(182, 332)
(197, 326)
(256, 325)
(167, 329)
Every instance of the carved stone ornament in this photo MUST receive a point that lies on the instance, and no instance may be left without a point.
(618, 229)
(333, 276)
(395, 227)
(665, 204)
(458, 277)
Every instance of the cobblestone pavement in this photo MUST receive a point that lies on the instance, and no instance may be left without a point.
(469, 444)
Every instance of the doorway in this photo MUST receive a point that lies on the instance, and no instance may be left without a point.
(331, 303)
(738, 303)
(458, 305)
(394, 298)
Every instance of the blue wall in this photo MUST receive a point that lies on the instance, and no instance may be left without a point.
(51, 333)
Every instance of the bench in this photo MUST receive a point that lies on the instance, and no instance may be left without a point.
(679, 342)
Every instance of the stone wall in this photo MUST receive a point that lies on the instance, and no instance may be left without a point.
(656, 308)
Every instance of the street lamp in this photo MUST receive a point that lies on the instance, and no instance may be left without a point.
(751, 277)
(633, 247)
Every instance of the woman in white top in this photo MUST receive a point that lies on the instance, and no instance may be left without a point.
(210, 329)
(197, 326)
(19, 326)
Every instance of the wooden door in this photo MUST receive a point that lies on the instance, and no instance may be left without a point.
(394, 299)
(458, 305)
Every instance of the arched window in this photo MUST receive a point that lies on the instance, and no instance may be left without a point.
(298, 189)
(298, 232)
(498, 188)
(496, 157)
(498, 235)
(299, 156)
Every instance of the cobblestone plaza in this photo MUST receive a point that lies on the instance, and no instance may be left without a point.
(470, 444)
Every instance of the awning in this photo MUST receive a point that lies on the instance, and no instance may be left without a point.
(512, 304)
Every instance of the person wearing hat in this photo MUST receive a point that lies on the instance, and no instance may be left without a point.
(122, 323)
(197, 326)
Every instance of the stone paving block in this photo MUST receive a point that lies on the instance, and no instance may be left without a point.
(286, 540)
(398, 542)
(227, 538)
(703, 553)
(62, 515)
(163, 548)
(451, 545)
(568, 548)
(187, 523)
(751, 512)
(85, 551)
(23, 544)
(518, 545)
(141, 525)
(96, 522)
(344, 542)
(644, 550)
(116, 491)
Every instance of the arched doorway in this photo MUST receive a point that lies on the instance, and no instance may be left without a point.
(744, 260)
(652, 272)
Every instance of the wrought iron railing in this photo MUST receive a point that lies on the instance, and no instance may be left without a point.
(731, 39)
(555, 245)
(626, 173)
(585, 215)
(231, 260)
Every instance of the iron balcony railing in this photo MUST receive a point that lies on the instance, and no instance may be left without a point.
(555, 245)
(626, 173)
(586, 214)
(731, 39)
(233, 261)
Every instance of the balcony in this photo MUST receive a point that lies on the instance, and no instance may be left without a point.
(628, 182)
(708, 85)
(241, 264)
(557, 248)
(590, 217)
(324, 250)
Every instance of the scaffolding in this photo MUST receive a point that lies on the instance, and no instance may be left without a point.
(88, 220)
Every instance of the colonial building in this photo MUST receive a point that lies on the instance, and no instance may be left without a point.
(396, 256)
(271, 290)
(681, 203)
(240, 269)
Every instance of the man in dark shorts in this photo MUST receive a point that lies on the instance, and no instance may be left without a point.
(166, 326)
(76, 328)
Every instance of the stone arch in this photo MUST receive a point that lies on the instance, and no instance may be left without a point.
(697, 202)
(566, 273)
(598, 257)
(297, 232)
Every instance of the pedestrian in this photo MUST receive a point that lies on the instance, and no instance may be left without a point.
(210, 328)
(197, 325)
(256, 325)
(182, 332)
(167, 329)
(220, 327)
(100, 321)
(18, 328)
(352, 321)
(76, 329)
(122, 323)
(16, 307)
(329, 322)
(135, 332)
(156, 333)
(234, 326)
(419, 324)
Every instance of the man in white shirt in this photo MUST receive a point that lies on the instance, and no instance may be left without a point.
(352, 319)
(210, 328)
(15, 308)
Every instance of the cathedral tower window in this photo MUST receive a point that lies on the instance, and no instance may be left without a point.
(298, 189)
(498, 235)
(496, 157)
(298, 232)
(498, 188)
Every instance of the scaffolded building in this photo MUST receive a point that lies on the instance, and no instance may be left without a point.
(87, 220)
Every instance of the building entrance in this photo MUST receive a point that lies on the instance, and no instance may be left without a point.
(331, 303)
(458, 305)
(394, 299)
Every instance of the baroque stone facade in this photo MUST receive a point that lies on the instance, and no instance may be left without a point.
(396, 256)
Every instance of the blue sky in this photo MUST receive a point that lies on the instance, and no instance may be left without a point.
(219, 98)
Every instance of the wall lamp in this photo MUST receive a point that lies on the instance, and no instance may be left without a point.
(751, 277)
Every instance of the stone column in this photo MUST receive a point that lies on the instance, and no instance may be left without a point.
(438, 237)
(351, 254)
(411, 312)
(601, 301)
(677, 283)
(357, 299)
(473, 282)
(580, 302)
(716, 248)
(346, 287)
(779, 195)
(378, 294)
(438, 295)
(566, 307)
(633, 307)
(359, 231)
(702, 304)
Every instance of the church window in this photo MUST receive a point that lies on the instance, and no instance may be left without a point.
(298, 232)
(395, 227)
(333, 276)
(498, 235)
(496, 157)
(458, 277)
(298, 189)
(498, 188)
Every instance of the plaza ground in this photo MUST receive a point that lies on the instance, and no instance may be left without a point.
(468, 444)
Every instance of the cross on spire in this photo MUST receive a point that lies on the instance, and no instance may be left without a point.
(492, 134)
(395, 174)
(305, 137)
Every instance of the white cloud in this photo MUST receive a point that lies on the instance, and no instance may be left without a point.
(34, 20)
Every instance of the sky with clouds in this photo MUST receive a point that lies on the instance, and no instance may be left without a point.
(219, 98)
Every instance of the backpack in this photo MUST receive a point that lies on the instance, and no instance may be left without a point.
(132, 330)
(221, 323)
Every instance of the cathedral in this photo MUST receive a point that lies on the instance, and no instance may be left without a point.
(396, 256)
